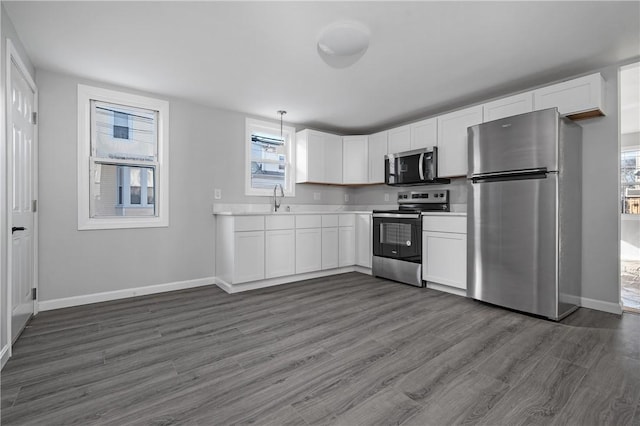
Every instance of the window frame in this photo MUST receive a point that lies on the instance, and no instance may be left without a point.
(289, 134)
(627, 216)
(85, 161)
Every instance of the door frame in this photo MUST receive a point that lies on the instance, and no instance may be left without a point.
(13, 56)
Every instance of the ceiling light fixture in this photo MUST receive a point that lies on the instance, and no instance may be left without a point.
(342, 44)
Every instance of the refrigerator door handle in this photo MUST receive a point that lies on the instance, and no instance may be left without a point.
(537, 173)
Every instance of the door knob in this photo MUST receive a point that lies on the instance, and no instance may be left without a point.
(18, 228)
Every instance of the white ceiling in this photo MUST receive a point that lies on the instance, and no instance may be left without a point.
(259, 57)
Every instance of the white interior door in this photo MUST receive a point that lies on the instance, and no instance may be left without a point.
(21, 190)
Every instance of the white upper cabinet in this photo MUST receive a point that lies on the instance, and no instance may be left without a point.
(452, 140)
(318, 157)
(400, 139)
(506, 107)
(578, 98)
(424, 134)
(377, 151)
(355, 154)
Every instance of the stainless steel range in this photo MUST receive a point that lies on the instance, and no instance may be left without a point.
(397, 235)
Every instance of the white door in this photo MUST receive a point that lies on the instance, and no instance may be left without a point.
(21, 191)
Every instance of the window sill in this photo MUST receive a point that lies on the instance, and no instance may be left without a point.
(122, 223)
(630, 217)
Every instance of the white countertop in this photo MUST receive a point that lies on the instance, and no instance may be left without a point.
(463, 214)
(285, 213)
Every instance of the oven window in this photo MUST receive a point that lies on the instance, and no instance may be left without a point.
(395, 233)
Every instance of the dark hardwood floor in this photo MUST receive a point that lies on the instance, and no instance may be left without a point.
(347, 350)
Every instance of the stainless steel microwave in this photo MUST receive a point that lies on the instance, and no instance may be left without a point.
(417, 167)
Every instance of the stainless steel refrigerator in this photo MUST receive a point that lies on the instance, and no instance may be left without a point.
(524, 213)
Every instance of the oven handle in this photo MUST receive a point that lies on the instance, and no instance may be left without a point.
(397, 215)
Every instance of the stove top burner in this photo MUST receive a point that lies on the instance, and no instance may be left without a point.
(412, 202)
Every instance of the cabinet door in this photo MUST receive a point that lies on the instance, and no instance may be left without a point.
(315, 157)
(573, 97)
(377, 151)
(308, 250)
(332, 159)
(363, 240)
(355, 159)
(279, 253)
(506, 107)
(444, 258)
(347, 246)
(399, 139)
(424, 134)
(248, 256)
(452, 140)
(329, 248)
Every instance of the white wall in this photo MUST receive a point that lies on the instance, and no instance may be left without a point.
(206, 152)
(73, 262)
(7, 31)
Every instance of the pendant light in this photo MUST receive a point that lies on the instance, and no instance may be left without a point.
(282, 113)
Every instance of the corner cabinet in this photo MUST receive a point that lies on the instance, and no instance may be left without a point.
(318, 157)
(355, 159)
(452, 140)
(377, 151)
(444, 252)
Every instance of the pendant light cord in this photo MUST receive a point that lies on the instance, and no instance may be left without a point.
(282, 113)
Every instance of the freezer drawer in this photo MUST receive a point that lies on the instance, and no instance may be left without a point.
(512, 246)
(522, 142)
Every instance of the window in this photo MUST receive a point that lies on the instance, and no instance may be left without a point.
(122, 160)
(270, 158)
(630, 180)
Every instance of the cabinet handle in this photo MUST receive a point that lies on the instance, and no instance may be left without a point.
(18, 228)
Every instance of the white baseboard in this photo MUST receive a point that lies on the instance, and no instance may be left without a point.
(47, 305)
(4, 355)
(253, 285)
(599, 305)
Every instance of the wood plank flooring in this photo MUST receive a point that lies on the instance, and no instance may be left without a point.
(345, 350)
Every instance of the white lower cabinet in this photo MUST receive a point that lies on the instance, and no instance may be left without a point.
(363, 243)
(254, 248)
(280, 255)
(329, 248)
(249, 256)
(347, 246)
(444, 251)
(308, 250)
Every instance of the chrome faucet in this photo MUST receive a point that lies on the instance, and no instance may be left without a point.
(276, 202)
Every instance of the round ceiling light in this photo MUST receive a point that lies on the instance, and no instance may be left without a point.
(341, 44)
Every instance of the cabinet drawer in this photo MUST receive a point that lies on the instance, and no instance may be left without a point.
(456, 224)
(329, 220)
(279, 222)
(248, 223)
(308, 221)
(346, 220)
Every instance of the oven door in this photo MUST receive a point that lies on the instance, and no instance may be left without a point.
(398, 236)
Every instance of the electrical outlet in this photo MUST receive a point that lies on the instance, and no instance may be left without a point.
(386, 196)
(346, 198)
(217, 194)
(316, 196)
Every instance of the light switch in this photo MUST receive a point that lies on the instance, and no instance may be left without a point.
(386, 196)
(217, 193)
(346, 198)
